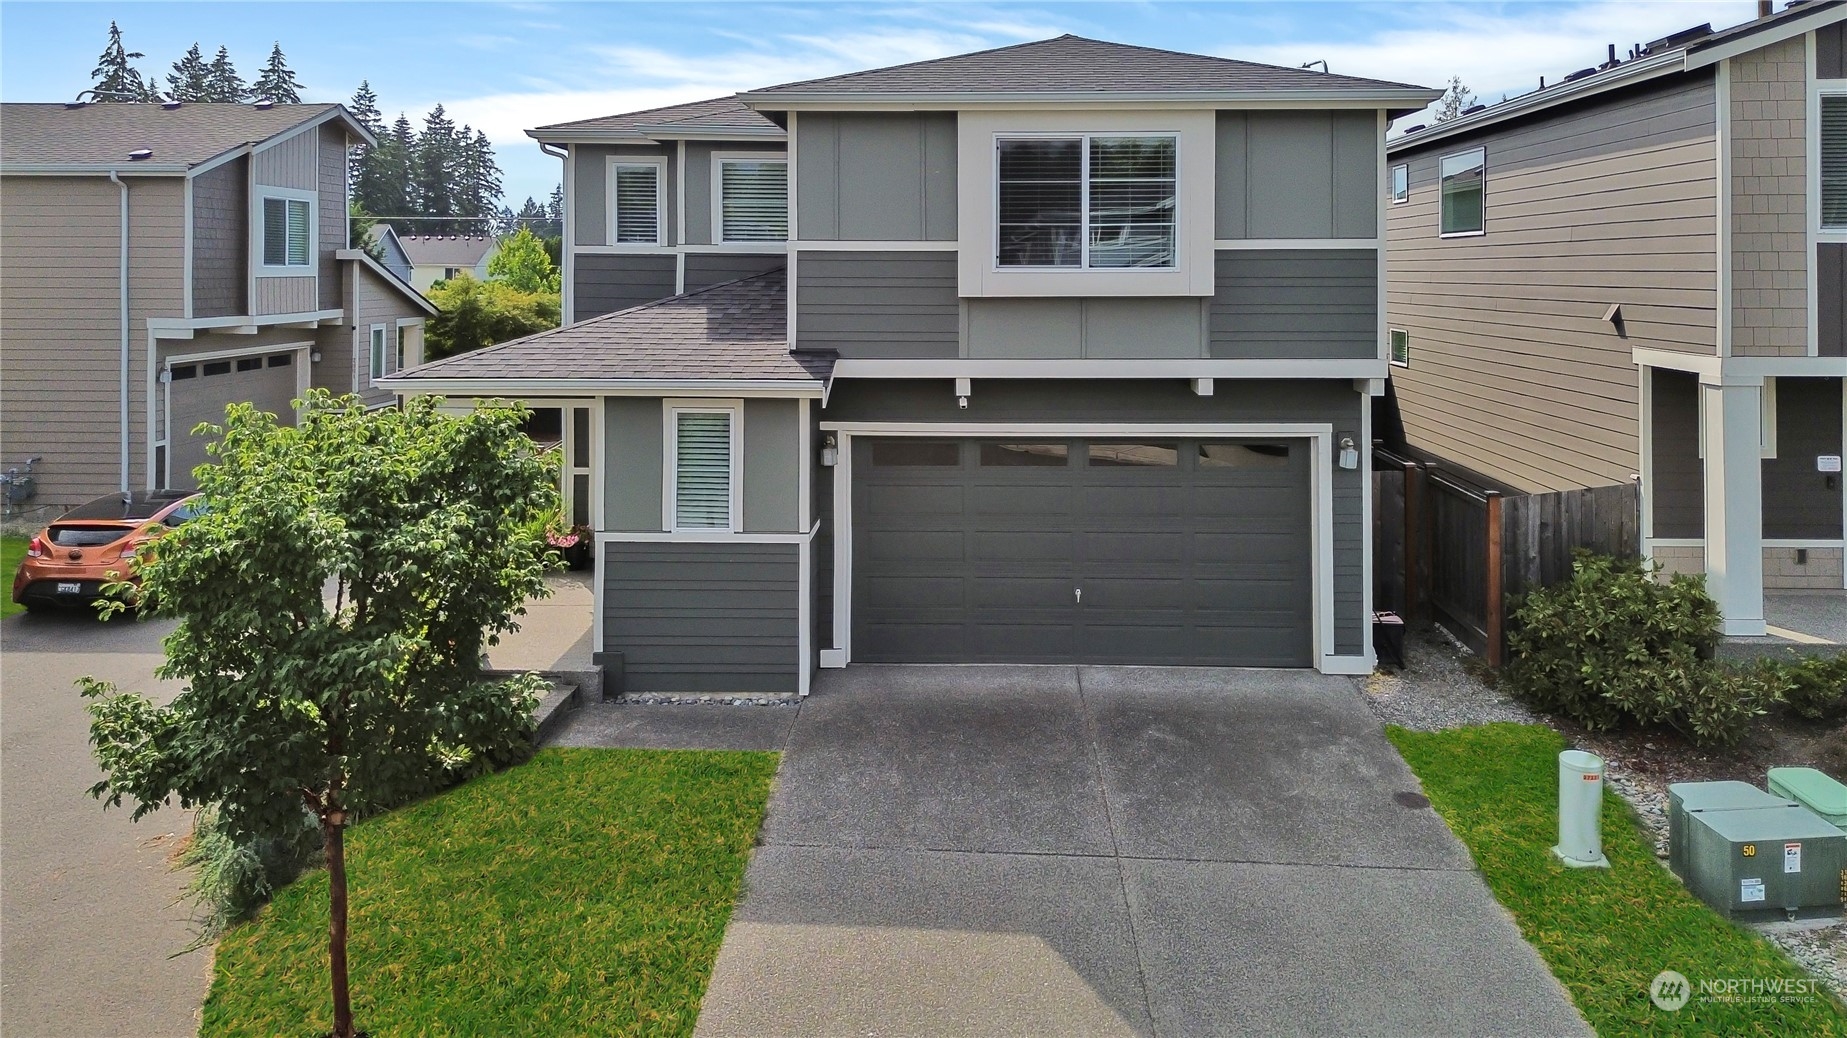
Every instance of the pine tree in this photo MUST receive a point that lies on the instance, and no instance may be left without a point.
(388, 189)
(434, 165)
(225, 86)
(364, 107)
(191, 78)
(533, 217)
(555, 210)
(478, 186)
(277, 83)
(114, 80)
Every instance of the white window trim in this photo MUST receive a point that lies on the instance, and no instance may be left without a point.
(265, 270)
(1084, 267)
(660, 197)
(378, 354)
(719, 158)
(1823, 88)
(1391, 354)
(1766, 421)
(671, 409)
(1392, 184)
(1484, 193)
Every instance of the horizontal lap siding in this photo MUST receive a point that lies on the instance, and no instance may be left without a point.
(605, 284)
(1276, 303)
(1513, 370)
(692, 617)
(705, 269)
(878, 304)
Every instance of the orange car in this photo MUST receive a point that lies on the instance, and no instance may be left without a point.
(69, 561)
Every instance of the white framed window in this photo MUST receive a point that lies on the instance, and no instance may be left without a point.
(1086, 201)
(635, 210)
(1401, 347)
(1401, 184)
(1463, 191)
(378, 351)
(285, 232)
(703, 468)
(750, 197)
(1833, 153)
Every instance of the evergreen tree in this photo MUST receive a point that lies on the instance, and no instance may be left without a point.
(555, 209)
(533, 217)
(225, 86)
(277, 83)
(434, 165)
(364, 107)
(191, 78)
(478, 186)
(113, 79)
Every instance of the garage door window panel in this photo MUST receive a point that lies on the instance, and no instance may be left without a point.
(1243, 455)
(1134, 455)
(1041, 455)
(916, 454)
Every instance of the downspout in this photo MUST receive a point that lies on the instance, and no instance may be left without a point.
(122, 319)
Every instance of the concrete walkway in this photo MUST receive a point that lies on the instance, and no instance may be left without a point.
(1108, 851)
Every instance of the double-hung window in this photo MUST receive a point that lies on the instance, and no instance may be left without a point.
(288, 234)
(635, 203)
(1463, 192)
(704, 481)
(1401, 183)
(1087, 201)
(1834, 162)
(752, 199)
(378, 351)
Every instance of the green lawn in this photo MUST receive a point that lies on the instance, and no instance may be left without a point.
(1604, 933)
(584, 892)
(12, 549)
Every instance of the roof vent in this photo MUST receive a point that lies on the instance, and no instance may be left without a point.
(1472, 109)
(76, 104)
(1683, 36)
(1414, 129)
(141, 154)
(266, 104)
(1573, 77)
(171, 105)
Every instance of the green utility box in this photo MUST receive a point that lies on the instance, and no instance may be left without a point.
(1765, 862)
(1813, 790)
(1684, 798)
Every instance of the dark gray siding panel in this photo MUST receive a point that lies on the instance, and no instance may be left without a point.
(692, 617)
(821, 554)
(1799, 503)
(888, 176)
(878, 304)
(772, 466)
(1831, 298)
(705, 269)
(1678, 494)
(1297, 175)
(220, 239)
(1168, 400)
(1831, 52)
(1302, 304)
(605, 284)
(633, 430)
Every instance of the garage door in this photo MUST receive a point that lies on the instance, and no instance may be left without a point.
(200, 390)
(1191, 552)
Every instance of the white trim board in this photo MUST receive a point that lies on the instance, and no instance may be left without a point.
(1358, 367)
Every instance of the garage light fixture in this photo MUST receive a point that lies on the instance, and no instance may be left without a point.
(830, 451)
(1349, 452)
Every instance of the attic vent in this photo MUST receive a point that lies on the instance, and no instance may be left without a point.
(1472, 109)
(266, 104)
(1683, 36)
(1414, 129)
(171, 106)
(75, 104)
(1580, 74)
(141, 154)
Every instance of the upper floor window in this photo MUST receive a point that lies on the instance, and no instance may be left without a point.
(753, 199)
(635, 203)
(1834, 161)
(1087, 201)
(1464, 192)
(288, 232)
(1401, 183)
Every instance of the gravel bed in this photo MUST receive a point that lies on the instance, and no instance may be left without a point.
(741, 699)
(1438, 688)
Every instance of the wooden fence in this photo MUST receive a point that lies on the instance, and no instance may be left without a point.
(1452, 550)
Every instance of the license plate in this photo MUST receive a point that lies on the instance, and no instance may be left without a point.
(70, 587)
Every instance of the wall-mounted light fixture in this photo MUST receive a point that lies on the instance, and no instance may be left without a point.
(1349, 452)
(830, 451)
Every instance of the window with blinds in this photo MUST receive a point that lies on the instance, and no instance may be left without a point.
(753, 200)
(1834, 161)
(1095, 202)
(287, 230)
(636, 203)
(702, 476)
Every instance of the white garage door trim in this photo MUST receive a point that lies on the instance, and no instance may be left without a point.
(1320, 436)
(303, 379)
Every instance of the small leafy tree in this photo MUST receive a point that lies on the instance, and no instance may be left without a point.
(482, 313)
(523, 263)
(333, 604)
(1454, 100)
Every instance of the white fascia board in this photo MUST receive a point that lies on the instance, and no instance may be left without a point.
(338, 111)
(1652, 67)
(161, 325)
(1714, 370)
(1797, 26)
(1114, 369)
(655, 135)
(521, 387)
(1414, 97)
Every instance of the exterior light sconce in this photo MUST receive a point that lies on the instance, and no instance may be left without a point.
(1349, 452)
(830, 451)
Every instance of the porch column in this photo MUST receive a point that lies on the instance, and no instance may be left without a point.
(1731, 435)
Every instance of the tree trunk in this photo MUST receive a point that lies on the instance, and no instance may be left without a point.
(333, 828)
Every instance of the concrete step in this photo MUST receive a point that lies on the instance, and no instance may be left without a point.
(554, 707)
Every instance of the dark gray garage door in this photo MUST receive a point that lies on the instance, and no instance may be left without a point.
(201, 389)
(1054, 551)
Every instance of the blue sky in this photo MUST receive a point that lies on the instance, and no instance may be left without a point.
(503, 67)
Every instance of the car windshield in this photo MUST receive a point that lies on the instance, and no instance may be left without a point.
(86, 535)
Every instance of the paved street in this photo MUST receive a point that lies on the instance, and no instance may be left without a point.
(87, 920)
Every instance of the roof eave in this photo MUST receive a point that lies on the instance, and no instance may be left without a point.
(652, 134)
(520, 387)
(1730, 43)
(98, 169)
(795, 100)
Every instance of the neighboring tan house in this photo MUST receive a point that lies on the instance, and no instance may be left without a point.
(158, 262)
(1056, 353)
(437, 257)
(391, 251)
(1637, 273)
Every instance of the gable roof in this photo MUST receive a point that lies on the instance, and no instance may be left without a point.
(718, 115)
(439, 250)
(732, 333)
(391, 278)
(1074, 67)
(99, 137)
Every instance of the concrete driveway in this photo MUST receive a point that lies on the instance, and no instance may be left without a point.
(1111, 851)
(88, 923)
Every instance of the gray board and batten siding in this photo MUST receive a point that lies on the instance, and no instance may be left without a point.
(634, 436)
(876, 176)
(703, 616)
(1146, 402)
(1831, 298)
(1514, 372)
(1297, 175)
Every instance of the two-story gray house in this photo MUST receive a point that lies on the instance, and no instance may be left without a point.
(1637, 272)
(1052, 353)
(158, 262)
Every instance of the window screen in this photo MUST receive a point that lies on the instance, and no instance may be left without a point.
(638, 195)
(702, 470)
(1834, 161)
(1463, 191)
(754, 200)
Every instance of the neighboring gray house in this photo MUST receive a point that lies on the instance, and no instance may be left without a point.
(1058, 352)
(391, 251)
(1637, 273)
(161, 261)
(437, 257)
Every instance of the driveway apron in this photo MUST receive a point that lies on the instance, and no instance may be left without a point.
(1111, 851)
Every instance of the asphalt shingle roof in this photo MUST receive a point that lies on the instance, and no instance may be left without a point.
(718, 113)
(734, 331)
(104, 134)
(444, 250)
(1074, 64)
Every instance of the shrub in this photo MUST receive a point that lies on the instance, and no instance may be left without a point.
(1613, 644)
(235, 875)
(1818, 688)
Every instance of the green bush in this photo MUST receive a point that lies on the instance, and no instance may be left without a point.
(235, 875)
(1817, 688)
(1614, 645)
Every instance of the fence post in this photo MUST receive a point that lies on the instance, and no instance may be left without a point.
(1497, 603)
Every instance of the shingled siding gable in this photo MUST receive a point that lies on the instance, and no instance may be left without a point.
(221, 240)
